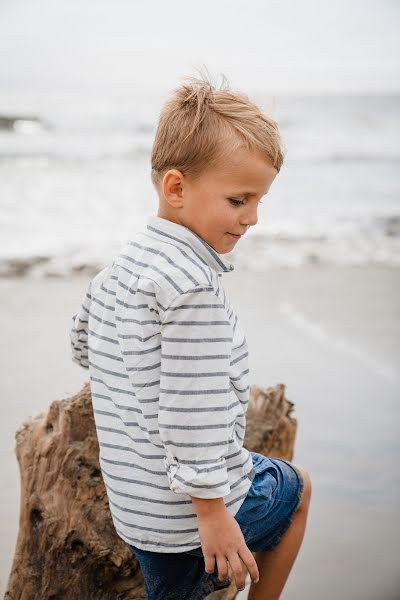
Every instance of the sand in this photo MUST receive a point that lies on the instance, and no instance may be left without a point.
(332, 336)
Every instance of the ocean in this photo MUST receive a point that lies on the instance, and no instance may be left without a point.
(75, 183)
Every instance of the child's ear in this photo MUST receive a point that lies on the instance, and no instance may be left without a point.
(172, 187)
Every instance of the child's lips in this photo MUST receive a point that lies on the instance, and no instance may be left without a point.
(234, 235)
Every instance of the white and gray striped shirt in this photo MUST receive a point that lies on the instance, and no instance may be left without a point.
(169, 376)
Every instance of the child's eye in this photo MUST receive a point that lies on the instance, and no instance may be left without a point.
(236, 202)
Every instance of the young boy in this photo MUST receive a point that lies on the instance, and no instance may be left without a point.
(168, 363)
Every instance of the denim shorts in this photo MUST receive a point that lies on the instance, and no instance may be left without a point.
(264, 516)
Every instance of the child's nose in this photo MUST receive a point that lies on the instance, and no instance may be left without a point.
(250, 217)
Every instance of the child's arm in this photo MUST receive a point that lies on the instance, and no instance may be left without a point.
(196, 422)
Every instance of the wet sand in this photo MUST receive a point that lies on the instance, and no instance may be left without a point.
(332, 335)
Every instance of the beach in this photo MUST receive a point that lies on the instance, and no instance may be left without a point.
(331, 335)
(315, 283)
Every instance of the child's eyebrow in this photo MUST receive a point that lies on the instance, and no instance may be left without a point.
(247, 194)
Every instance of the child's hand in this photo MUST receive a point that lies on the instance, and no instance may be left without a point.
(221, 541)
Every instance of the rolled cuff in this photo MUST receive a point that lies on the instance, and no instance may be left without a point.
(212, 482)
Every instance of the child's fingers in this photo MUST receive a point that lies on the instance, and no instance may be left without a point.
(250, 563)
(237, 570)
(223, 571)
(209, 562)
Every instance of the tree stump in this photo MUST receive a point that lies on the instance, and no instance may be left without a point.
(67, 547)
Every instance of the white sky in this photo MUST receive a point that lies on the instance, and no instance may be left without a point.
(277, 46)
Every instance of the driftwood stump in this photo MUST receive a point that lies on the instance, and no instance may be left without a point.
(67, 547)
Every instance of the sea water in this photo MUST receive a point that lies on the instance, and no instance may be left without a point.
(75, 183)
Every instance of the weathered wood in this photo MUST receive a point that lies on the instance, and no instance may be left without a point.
(67, 547)
(270, 428)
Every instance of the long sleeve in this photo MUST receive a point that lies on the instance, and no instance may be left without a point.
(195, 417)
(79, 332)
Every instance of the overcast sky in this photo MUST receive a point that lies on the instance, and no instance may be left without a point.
(261, 45)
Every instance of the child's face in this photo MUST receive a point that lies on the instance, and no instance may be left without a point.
(215, 205)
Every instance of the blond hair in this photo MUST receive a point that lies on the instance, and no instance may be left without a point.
(200, 125)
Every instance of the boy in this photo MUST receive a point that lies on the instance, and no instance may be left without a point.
(168, 364)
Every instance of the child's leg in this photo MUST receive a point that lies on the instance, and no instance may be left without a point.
(274, 565)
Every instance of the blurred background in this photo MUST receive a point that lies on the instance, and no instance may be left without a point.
(81, 87)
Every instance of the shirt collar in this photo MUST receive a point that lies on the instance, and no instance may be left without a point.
(169, 230)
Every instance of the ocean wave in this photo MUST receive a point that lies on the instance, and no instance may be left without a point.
(259, 252)
(92, 154)
(351, 158)
(22, 157)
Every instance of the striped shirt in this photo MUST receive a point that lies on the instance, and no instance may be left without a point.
(169, 377)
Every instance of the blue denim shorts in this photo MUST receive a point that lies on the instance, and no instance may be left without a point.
(264, 516)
